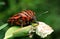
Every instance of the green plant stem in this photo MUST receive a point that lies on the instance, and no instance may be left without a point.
(18, 32)
(22, 31)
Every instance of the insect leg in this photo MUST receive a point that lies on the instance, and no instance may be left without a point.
(21, 21)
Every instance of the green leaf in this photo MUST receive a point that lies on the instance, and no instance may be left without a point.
(2, 26)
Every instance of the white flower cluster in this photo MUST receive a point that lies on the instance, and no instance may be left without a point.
(43, 30)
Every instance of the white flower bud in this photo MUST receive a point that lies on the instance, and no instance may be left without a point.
(43, 30)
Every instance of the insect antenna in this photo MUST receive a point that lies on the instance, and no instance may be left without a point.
(43, 13)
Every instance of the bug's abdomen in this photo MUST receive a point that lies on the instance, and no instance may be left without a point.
(25, 17)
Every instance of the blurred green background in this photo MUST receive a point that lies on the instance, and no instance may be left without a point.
(10, 7)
